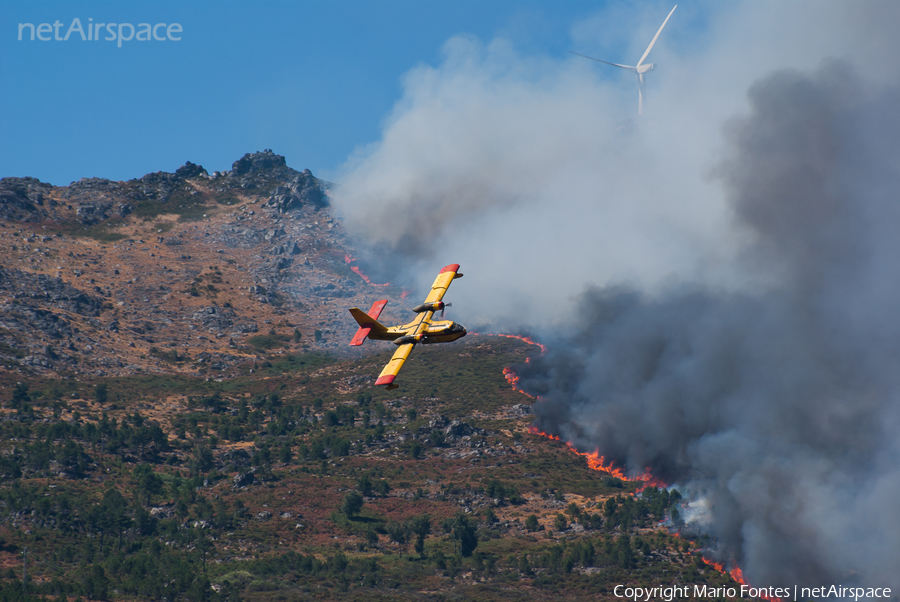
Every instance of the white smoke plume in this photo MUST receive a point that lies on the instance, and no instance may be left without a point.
(535, 174)
(780, 406)
(739, 329)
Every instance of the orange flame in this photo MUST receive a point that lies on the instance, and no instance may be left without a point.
(594, 459)
(716, 565)
(512, 336)
(355, 269)
(536, 431)
(525, 339)
(513, 379)
(597, 462)
(738, 575)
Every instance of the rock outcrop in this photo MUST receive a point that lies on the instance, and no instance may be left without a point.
(305, 190)
(54, 293)
(256, 171)
(23, 199)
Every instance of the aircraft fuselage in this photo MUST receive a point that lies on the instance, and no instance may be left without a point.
(438, 331)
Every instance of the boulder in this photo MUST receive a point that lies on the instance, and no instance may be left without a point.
(190, 170)
(245, 479)
(215, 318)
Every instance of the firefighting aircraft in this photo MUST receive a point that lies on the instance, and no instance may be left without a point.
(421, 330)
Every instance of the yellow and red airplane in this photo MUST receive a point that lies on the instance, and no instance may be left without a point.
(421, 330)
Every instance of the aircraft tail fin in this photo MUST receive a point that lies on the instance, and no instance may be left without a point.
(367, 322)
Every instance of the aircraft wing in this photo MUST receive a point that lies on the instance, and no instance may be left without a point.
(393, 367)
(442, 283)
(408, 341)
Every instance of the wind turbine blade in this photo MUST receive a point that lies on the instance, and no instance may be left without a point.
(646, 52)
(629, 67)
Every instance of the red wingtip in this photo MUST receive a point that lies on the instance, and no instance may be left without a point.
(453, 267)
(387, 379)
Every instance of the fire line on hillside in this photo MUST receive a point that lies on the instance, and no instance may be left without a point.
(599, 463)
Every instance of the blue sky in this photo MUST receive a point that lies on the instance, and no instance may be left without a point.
(312, 80)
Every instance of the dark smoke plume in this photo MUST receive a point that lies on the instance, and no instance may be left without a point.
(779, 406)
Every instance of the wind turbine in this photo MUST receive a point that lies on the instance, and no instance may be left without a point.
(640, 69)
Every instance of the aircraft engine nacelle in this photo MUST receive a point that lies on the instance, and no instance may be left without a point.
(436, 306)
(404, 340)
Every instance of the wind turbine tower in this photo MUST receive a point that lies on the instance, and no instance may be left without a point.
(641, 68)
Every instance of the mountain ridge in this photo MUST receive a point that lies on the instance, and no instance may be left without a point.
(188, 271)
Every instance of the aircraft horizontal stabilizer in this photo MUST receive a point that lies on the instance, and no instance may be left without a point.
(367, 322)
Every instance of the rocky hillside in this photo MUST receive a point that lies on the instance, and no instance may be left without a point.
(169, 428)
(187, 272)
